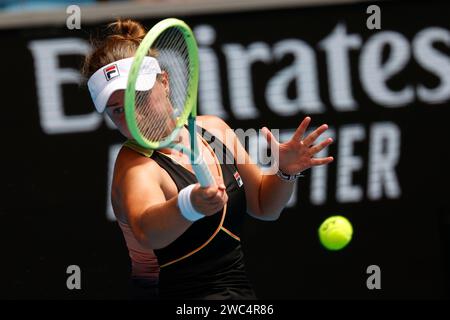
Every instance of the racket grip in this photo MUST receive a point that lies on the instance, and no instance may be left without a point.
(199, 166)
(202, 173)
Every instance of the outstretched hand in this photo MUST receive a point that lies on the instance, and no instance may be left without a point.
(297, 154)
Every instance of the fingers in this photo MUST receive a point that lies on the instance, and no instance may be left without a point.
(208, 192)
(321, 161)
(211, 191)
(220, 198)
(301, 129)
(309, 140)
(319, 147)
(269, 137)
(209, 200)
(216, 202)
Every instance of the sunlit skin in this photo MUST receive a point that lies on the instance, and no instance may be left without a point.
(158, 100)
(145, 196)
(116, 112)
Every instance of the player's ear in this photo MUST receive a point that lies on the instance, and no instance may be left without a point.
(164, 78)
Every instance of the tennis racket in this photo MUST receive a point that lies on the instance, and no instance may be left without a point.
(154, 120)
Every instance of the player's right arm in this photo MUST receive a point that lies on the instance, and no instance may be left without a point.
(137, 195)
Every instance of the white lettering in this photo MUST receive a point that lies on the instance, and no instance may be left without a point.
(50, 77)
(336, 47)
(384, 155)
(347, 163)
(374, 73)
(434, 61)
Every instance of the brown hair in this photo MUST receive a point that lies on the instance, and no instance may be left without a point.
(122, 41)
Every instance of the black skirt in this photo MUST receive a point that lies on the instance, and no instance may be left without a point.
(222, 278)
(143, 289)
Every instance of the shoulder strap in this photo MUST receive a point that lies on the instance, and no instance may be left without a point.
(132, 144)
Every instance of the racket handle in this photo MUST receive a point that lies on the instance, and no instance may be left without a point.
(199, 166)
(202, 173)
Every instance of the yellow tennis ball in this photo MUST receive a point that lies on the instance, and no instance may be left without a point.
(335, 232)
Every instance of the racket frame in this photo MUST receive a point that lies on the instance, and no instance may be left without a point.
(189, 113)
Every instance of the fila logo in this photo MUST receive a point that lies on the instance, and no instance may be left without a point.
(238, 179)
(111, 72)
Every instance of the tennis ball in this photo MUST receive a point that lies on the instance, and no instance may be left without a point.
(335, 232)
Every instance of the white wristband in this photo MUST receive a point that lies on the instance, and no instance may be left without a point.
(185, 204)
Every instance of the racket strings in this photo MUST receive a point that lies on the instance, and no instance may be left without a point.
(144, 112)
(175, 59)
(157, 111)
(152, 130)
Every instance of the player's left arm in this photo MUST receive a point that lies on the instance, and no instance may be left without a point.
(267, 195)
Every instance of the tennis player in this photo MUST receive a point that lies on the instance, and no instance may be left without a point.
(184, 240)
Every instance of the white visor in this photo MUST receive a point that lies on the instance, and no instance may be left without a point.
(114, 76)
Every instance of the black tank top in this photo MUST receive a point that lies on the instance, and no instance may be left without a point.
(206, 261)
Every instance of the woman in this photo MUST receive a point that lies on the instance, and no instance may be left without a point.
(168, 220)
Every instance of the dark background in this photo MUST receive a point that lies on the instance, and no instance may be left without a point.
(53, 204)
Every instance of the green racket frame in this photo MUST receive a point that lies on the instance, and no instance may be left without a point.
(190, 111)
(130, 92)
